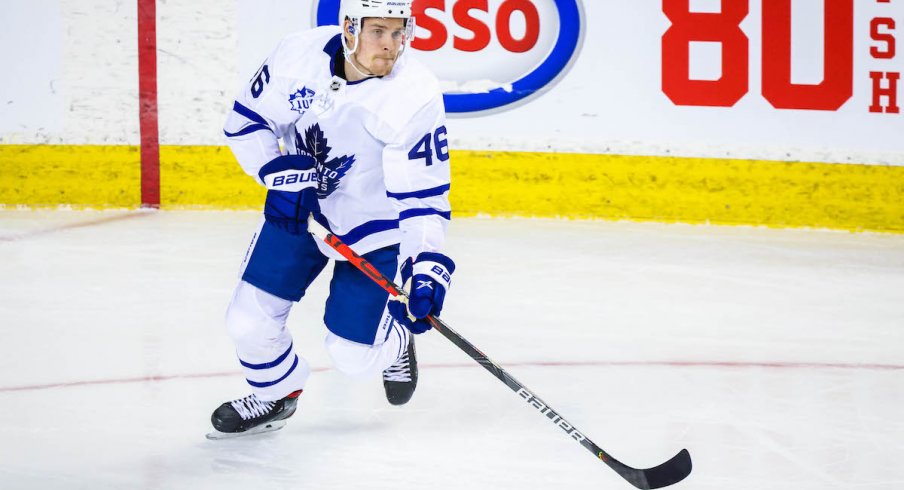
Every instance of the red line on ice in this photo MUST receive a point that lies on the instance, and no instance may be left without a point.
(71, 226)
(678, 364)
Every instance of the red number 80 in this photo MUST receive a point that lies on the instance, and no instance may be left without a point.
(836, 88)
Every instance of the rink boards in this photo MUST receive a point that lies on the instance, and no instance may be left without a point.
(668, 189)
(639, 116)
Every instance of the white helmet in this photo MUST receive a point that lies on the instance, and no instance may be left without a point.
(359, 9)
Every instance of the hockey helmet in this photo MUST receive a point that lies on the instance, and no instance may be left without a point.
(360, 9)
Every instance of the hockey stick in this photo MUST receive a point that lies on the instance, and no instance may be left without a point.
(668, 473)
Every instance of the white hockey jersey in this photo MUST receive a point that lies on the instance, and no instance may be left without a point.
(380, 143)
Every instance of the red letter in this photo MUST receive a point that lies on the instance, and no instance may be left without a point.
(879, 91)
(887, 38)
(503, 25)
(723, 28)
(438, 33)
(461, 14)
(837, 85)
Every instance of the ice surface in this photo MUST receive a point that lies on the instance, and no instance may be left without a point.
(775, 356)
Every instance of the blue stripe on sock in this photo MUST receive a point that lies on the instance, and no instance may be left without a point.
(271, 383)
(268, 365)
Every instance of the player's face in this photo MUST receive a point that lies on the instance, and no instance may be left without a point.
(379, 44)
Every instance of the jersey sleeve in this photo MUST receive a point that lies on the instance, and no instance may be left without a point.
(261, 115)
(417, 176)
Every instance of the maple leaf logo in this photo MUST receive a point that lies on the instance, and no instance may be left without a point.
(329, 170)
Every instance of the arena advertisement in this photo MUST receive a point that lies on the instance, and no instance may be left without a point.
(490, 55)
(822, 78)
(812, 80)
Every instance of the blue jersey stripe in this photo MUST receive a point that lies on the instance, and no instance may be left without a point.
(271, 383)
(436, 191)
(363, 231)
(414, 213)
(249, 113)
(248, 130)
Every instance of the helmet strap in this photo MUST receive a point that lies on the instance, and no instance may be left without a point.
(349, 51)
(349, 57)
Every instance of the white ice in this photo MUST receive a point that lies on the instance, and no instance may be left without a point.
(775, 356)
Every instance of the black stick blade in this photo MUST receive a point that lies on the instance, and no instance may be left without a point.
(670, 472)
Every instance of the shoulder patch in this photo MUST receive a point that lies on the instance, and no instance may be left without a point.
(301, 100)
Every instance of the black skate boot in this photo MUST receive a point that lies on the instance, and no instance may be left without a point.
(249, 415)
(400, 379)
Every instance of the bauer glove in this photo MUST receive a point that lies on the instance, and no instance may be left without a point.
(291, 182)
(426, 280)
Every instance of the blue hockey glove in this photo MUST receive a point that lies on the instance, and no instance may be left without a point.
(399, 312)
(426, 279)
(291, 182)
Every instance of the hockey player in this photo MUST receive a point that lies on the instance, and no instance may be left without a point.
(361, 124)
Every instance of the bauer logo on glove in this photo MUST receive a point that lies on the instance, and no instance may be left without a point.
(291, 182)
(289, 173)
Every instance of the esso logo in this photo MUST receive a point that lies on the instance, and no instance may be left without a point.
(490, 54)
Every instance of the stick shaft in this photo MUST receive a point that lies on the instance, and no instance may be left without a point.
(638, 478)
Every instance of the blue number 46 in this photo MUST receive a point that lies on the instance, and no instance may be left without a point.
(424, 147)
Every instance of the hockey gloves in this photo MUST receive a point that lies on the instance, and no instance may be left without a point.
(291, 182)
(426, 279)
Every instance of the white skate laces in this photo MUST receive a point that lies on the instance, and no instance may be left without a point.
(250, 407)
(400, 371)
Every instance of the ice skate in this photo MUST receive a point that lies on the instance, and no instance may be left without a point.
(249, 415)
(400, 379)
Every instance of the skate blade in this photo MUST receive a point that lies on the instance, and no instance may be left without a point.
(216, 435)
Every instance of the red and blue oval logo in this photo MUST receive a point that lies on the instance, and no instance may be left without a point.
(490, 54)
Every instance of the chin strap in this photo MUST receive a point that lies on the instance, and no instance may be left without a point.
(355, 65)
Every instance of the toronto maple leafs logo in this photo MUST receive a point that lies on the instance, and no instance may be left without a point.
(301, 100)
(329, 170)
